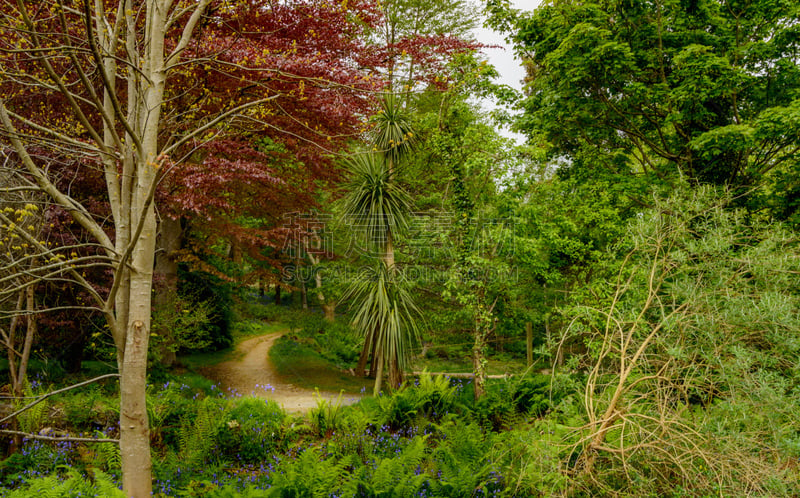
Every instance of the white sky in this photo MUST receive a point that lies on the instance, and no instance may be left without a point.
(510, 68)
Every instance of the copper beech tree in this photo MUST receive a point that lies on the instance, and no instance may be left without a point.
(132, 90)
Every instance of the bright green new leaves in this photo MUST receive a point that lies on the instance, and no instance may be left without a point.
(704, 90)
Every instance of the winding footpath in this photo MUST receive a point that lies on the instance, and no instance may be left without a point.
(252, 374)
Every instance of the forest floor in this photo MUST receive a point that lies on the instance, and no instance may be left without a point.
(251, 373)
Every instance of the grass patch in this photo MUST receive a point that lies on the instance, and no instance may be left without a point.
(300, 365)
(252, 328)
(241, 332)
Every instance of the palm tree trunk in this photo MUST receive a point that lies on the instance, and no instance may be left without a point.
(395, 373)
(373, 367)
(378, 359)
(362, 359)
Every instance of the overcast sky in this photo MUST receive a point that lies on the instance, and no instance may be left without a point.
(510, 68)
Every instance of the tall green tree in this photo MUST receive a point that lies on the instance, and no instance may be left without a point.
(471, 158)
(648, 92)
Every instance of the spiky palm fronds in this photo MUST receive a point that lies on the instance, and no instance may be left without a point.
(375, 202)
(394, 136)
(387, 311)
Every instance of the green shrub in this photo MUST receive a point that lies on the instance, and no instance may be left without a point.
(180, 324)
(327, 416)
(338, 343)
(307, 322)
(35, 459)
(461, 461)
(496, 410)
(312, 475)
(199, 428)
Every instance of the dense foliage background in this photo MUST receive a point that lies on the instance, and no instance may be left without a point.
(616, 299)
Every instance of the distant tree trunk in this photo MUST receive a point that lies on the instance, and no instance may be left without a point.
(236, 252)
(169, 240)
(278, 294)
(330, 312)
(72, 356)
(328, 308)
(484, 326)
(19, 371)
(529, 342)
(395, 374)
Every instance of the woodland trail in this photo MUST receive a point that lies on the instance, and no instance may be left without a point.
(252, 374)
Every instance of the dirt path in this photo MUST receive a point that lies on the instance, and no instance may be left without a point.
(252, 374)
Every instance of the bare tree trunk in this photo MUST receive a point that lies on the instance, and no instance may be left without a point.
(11, 343)
(170, 237)
(19, 373)
(529, 343)
(134, 426)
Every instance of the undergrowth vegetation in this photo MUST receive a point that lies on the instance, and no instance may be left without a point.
(428, 438)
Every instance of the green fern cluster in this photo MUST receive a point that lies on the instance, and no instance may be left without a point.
(400, 476)
(31, 419)
(106, 456)
(430, 400)
(196, 437)
(70, 485)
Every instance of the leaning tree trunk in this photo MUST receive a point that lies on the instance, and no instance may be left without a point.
(19, 370)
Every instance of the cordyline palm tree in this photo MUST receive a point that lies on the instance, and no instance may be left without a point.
(385, 314)
(388, 317)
